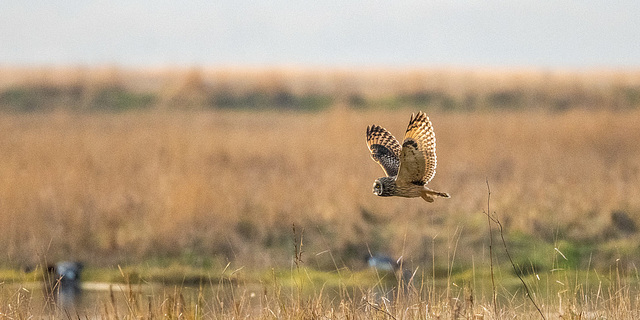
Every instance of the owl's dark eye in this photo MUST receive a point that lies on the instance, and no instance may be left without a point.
(377, 188)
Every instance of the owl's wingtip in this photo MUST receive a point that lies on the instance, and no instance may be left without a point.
(370, 130)
(420, 115)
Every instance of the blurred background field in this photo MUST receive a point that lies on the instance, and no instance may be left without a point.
(208, 167)
(313, 89)
(207, 159)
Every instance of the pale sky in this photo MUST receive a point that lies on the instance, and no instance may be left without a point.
(489, 33)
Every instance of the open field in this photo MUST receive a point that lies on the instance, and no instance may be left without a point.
(121, 188)
(210, 179)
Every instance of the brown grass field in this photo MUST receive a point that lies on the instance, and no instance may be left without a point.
(120, 187)
(214, 189)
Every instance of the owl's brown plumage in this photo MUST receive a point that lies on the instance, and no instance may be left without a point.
(418, 156)
(385, 149)
(410, 166)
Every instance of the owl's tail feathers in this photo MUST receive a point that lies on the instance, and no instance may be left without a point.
(428, 194)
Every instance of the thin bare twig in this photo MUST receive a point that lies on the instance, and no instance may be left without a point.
(375, 307)
(493, 282)
(297, 247)
(506, 250)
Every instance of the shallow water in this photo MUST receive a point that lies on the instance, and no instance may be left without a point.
(92, 300)
(96, 300)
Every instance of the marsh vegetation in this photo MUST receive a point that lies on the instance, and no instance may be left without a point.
(182, 188)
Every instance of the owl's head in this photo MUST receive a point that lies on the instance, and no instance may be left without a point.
(384, 187)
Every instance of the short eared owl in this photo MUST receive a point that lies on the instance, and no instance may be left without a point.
(408, 167)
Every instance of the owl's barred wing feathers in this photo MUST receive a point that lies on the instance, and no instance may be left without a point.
(418, 154)
(385, 149)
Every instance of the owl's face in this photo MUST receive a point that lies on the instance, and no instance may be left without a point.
(377, 188)
(384, 187)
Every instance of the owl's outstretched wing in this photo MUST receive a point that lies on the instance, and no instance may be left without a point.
(418, 154)
(385, 149)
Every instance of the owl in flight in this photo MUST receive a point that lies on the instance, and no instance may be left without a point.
(410, 166)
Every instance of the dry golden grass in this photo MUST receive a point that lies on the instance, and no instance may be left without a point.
(612, 297)
(212, 187)
(109, 188)
(121, 188)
